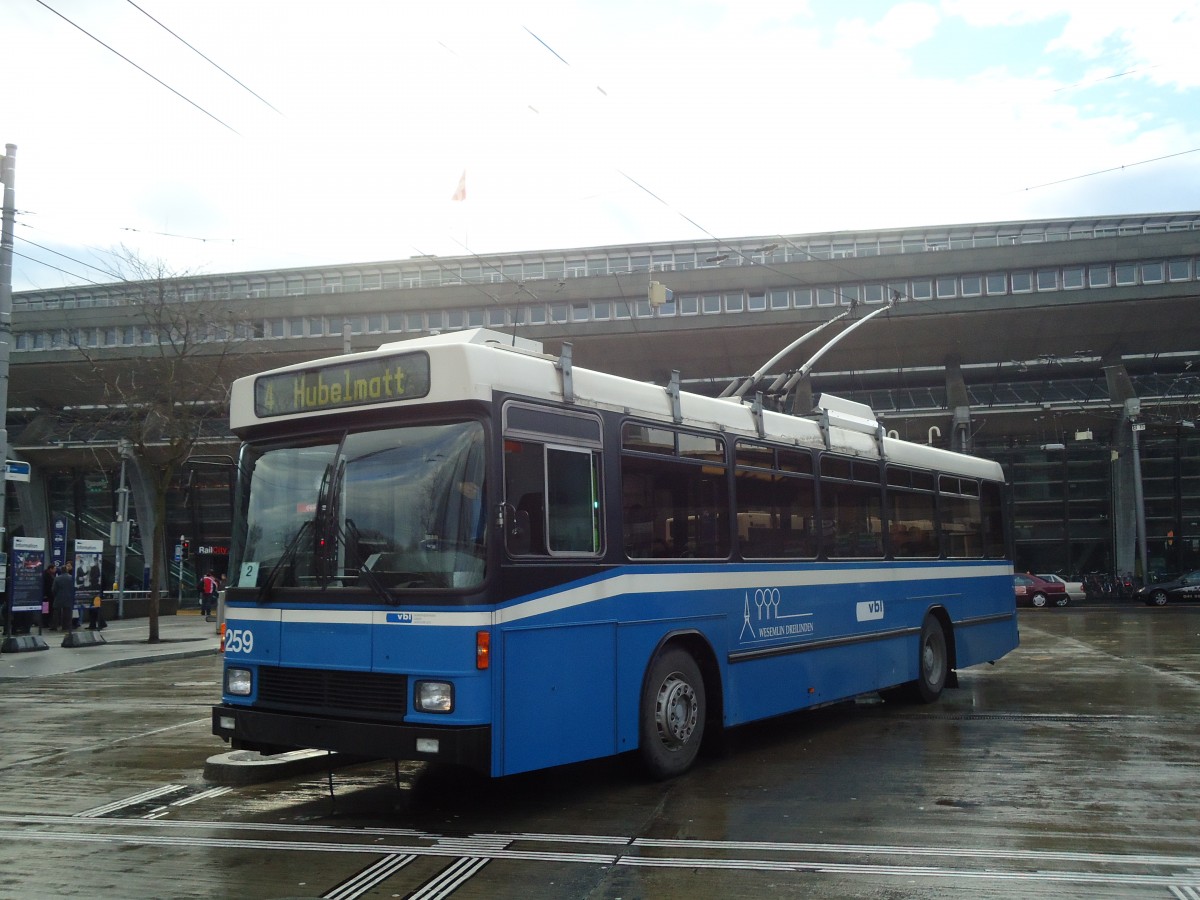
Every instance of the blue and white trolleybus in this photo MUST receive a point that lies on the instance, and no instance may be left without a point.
(460, 549)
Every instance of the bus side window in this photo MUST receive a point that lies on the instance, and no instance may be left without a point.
(552, 491)
(638, 531)
(573, 500)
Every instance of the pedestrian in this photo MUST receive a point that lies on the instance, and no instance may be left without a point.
(96, 621)
(48, 575)
(95, 593)
(64, 597)
(208, 593)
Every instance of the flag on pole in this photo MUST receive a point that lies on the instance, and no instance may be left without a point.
(461, 192)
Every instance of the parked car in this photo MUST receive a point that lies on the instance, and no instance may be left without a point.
(1037, 592)
(1075, 589)
(1185, 587)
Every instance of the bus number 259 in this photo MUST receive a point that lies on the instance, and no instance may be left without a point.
(239, 640)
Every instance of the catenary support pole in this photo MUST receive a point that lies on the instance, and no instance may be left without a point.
(8, 167)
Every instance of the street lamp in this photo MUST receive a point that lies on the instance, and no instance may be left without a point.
(122, 542)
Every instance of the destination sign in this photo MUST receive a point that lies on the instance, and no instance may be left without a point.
(361, 382)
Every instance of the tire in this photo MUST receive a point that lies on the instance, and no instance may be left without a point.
(933, 668)
(1038, 600)
(933, 662)
(1157, 598)
(673, 714)
(1062, 600)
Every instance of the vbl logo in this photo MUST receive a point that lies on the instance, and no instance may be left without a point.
(869, 611)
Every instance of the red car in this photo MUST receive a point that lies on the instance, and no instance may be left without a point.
(1038, 592)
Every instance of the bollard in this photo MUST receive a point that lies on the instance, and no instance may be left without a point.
(19, 642)
(83, 637)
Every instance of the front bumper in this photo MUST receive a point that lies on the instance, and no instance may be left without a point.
(273, 732)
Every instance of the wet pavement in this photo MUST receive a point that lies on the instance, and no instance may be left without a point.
(1069, 769)
(123, 642)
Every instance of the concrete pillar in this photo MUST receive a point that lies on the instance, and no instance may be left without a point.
(1124, 492)
(959, 403)
(141, 488)
(956, 388)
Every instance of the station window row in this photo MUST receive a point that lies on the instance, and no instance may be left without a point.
(1016, 282)
(431, 272)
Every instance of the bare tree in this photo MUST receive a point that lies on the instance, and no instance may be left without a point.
(172, 389)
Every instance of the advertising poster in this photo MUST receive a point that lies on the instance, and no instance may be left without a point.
(28, 561)
(58, 549)
(89, 557)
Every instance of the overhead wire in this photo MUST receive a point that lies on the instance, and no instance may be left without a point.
(65, 256)
(113, 273)
(202, 56)
(842, 297)
(42, 262)
(739, 385)
(547, 46)
(1090, 82)
(139, 68)
(1131, 165)
(722, 243)
(186, 237)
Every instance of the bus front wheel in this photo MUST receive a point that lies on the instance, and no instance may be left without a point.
(673, 714)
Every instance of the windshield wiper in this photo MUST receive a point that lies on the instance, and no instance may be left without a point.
(289, 553)
(352, 538)
(327, 530)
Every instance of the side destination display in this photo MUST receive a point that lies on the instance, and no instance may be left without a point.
(337, 385)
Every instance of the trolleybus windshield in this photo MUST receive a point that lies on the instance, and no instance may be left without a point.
(387, 509)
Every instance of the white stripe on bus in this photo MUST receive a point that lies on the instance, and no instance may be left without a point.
(621, 584)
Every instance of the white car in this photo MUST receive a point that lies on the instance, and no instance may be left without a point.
(1074, 588)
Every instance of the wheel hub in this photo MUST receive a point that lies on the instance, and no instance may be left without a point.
(675, 711)
(931, 662)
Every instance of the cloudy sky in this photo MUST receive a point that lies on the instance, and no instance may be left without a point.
(313, 132)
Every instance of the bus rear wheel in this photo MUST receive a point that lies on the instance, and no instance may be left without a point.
(934, 664)
(673, 714)
(933, 668)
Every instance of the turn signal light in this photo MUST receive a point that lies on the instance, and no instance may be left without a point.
(483, 649)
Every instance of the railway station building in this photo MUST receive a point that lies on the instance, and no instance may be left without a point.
(1066, 349)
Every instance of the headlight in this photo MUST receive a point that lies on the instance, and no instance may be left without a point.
(434, 696)
(238, 682)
